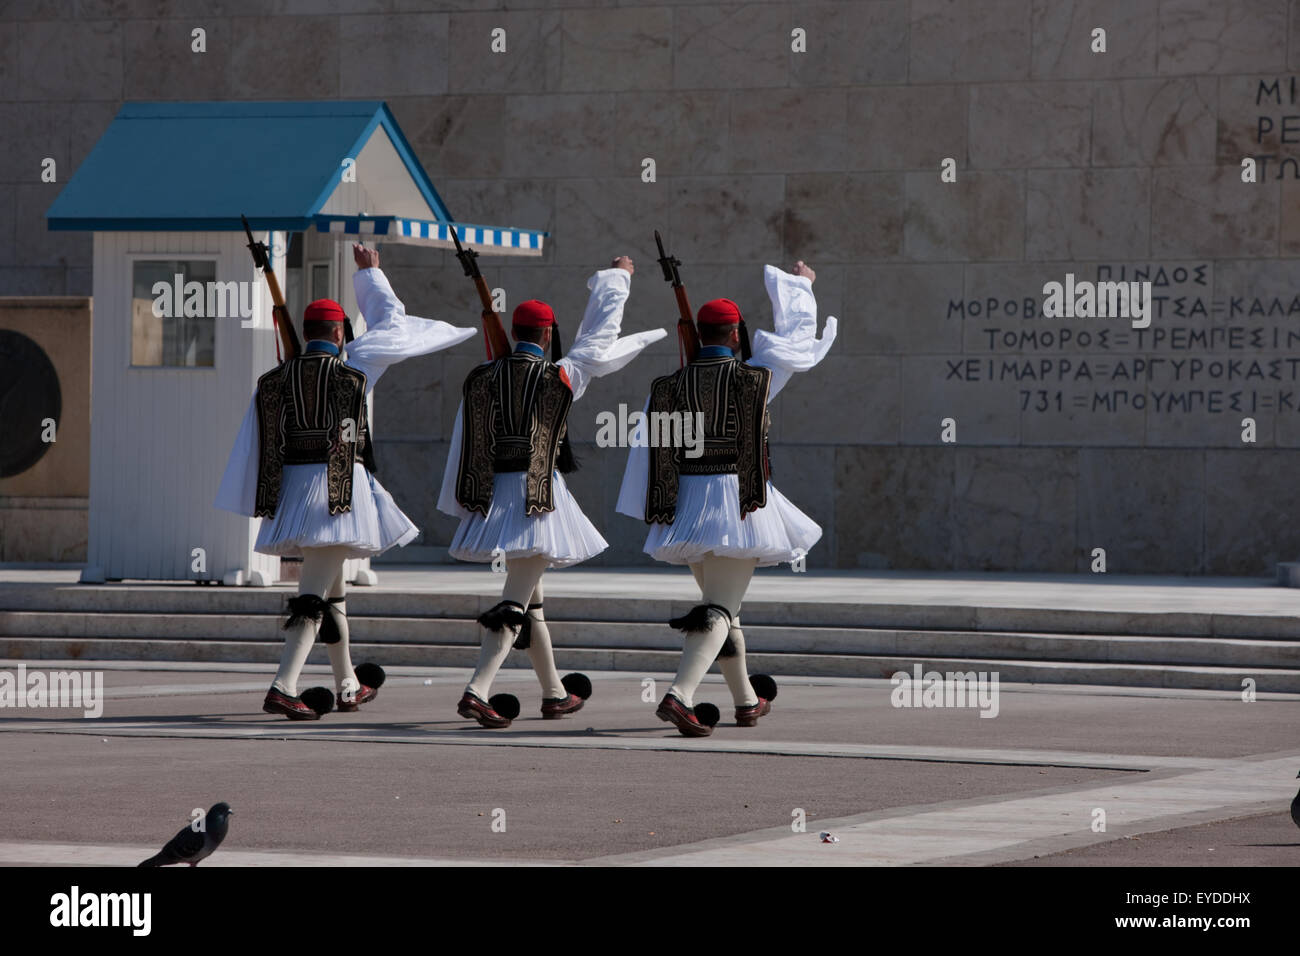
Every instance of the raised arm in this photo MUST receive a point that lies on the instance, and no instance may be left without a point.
(391, 335)
(596, 349)
(793, 346)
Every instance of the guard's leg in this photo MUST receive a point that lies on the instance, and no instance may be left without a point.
(336, 636)
(557, 700)
(705, 626)
(732, 656)
(726, 580)
(501, 624)
(540, 652)
(319, 569)
(723, 582)
(734, 671)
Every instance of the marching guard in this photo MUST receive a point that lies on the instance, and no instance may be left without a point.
(304, 462)
(505, 479)
(719, 513)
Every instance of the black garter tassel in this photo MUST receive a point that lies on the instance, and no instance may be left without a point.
(504, 614)
(329, 629)
(305, 607)
(525, 638)
(697, 618)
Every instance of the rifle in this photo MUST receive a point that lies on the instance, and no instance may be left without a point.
(688, 339)
(494, 334)
(288, 335)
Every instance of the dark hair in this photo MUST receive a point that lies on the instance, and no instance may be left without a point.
(715, 334)
(318, 329)
(528, 333)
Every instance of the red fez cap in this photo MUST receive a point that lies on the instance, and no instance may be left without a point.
(324, 310)
(719, 312)
(533, 314)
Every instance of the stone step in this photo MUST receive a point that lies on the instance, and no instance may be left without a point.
(621, 635)
(664, 661)
(183, 599)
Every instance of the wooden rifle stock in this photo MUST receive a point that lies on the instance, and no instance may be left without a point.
(498, 346)
(288, 335)
(688, 337)
(494, 333)
(283, 321)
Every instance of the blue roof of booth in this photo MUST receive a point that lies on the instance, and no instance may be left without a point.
(198, 166)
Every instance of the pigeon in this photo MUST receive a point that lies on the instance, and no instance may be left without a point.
(190, 845)
(1295, 807)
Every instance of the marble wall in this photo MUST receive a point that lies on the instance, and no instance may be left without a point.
(1070, 434)
(44, 456)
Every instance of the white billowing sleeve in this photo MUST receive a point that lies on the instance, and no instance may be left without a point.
(447, 502)
(391, 335)
(631, 495)
(794, 346)
(238, 491)
(596, 349)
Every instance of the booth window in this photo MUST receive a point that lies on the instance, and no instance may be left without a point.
(170, 325)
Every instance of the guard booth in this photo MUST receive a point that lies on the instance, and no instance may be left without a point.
(183, 323)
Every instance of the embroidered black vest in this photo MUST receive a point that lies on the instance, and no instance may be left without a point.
(732, 398)
(515, 411)
(311, 410)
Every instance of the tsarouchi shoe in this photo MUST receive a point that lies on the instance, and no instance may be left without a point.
(748, 716)
(554, 708)
(278, 702)
(363, 695)
(675, 712)
(474, 706)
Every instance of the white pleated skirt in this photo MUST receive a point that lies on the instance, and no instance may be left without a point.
(563, 535)
(708, 522)
(303, 520)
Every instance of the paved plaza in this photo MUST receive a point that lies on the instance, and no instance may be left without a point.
(1183, 777)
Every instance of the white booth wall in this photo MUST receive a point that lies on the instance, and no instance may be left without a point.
(161, 436)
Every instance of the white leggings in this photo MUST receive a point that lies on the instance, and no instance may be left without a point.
(722, 581)
(524, 587)
(322, 575)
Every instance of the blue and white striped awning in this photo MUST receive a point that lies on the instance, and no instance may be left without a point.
(491, 240)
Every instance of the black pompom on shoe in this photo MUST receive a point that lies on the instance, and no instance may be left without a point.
(372, 675)
(579, 685)
(319, 699)
(707, 714)
(763, 686)
(507, 705)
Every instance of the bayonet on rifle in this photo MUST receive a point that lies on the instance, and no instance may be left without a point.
(688, 339)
